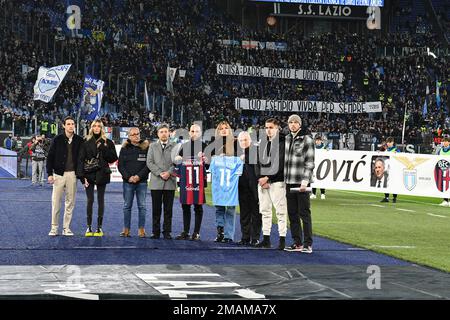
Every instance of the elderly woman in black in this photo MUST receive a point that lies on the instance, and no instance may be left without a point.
(93, 170)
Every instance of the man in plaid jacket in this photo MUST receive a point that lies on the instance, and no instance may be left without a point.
(298, 171)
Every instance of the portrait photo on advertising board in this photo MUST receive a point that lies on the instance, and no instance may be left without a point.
(379, 172)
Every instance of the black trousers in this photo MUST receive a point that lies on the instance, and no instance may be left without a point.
(160, 198)
(250, 217)
(198, 209)
(322, 191)
(90, 203)
(299, 208)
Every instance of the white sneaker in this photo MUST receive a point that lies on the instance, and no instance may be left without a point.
(53, 232)
(67, 233)
(445, 204)
(312, 196)
(307, 249)
(322, 196)
(294, 248)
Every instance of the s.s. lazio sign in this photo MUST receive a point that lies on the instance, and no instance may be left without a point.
(48, 81)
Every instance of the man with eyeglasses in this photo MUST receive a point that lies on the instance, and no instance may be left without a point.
(134, 170)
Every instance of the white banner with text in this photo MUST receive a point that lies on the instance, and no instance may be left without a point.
(307, 106)
(385, 172)
(279, 73)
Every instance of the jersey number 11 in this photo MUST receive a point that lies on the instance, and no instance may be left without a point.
(224, 172)
(197, 176)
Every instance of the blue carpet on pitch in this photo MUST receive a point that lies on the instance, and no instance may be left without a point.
(25, 216)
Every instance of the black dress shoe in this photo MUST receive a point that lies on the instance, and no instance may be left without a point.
(182, 236)
(167, 236)
(154, 236)
(265, 243)
(227, 240)
(244, 242)
(195, 236)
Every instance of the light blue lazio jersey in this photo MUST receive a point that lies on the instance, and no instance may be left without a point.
(225, 172)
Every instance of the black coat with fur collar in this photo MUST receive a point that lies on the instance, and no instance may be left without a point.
(133, 160)
(107, 154)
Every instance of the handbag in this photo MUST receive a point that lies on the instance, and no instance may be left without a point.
(92, 165)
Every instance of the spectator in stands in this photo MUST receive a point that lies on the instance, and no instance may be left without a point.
(53, 129)
(8, 143)
(44, 127)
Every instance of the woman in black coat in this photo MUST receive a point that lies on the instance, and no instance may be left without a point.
(96, 146)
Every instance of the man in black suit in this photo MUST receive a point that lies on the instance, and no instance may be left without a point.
(250, 217)
(379, 177)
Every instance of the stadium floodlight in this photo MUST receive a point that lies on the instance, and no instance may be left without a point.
(429, 53)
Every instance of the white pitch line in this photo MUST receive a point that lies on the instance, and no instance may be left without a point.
(406, 210)
(380, 206)
(435, 215)
(347, 222)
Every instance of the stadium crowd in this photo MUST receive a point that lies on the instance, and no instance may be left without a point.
(138, 39)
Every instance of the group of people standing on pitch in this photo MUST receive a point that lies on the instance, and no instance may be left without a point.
(278, 180)
(70, 158)
(275, 172)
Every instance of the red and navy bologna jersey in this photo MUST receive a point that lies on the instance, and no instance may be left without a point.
(192, 175)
